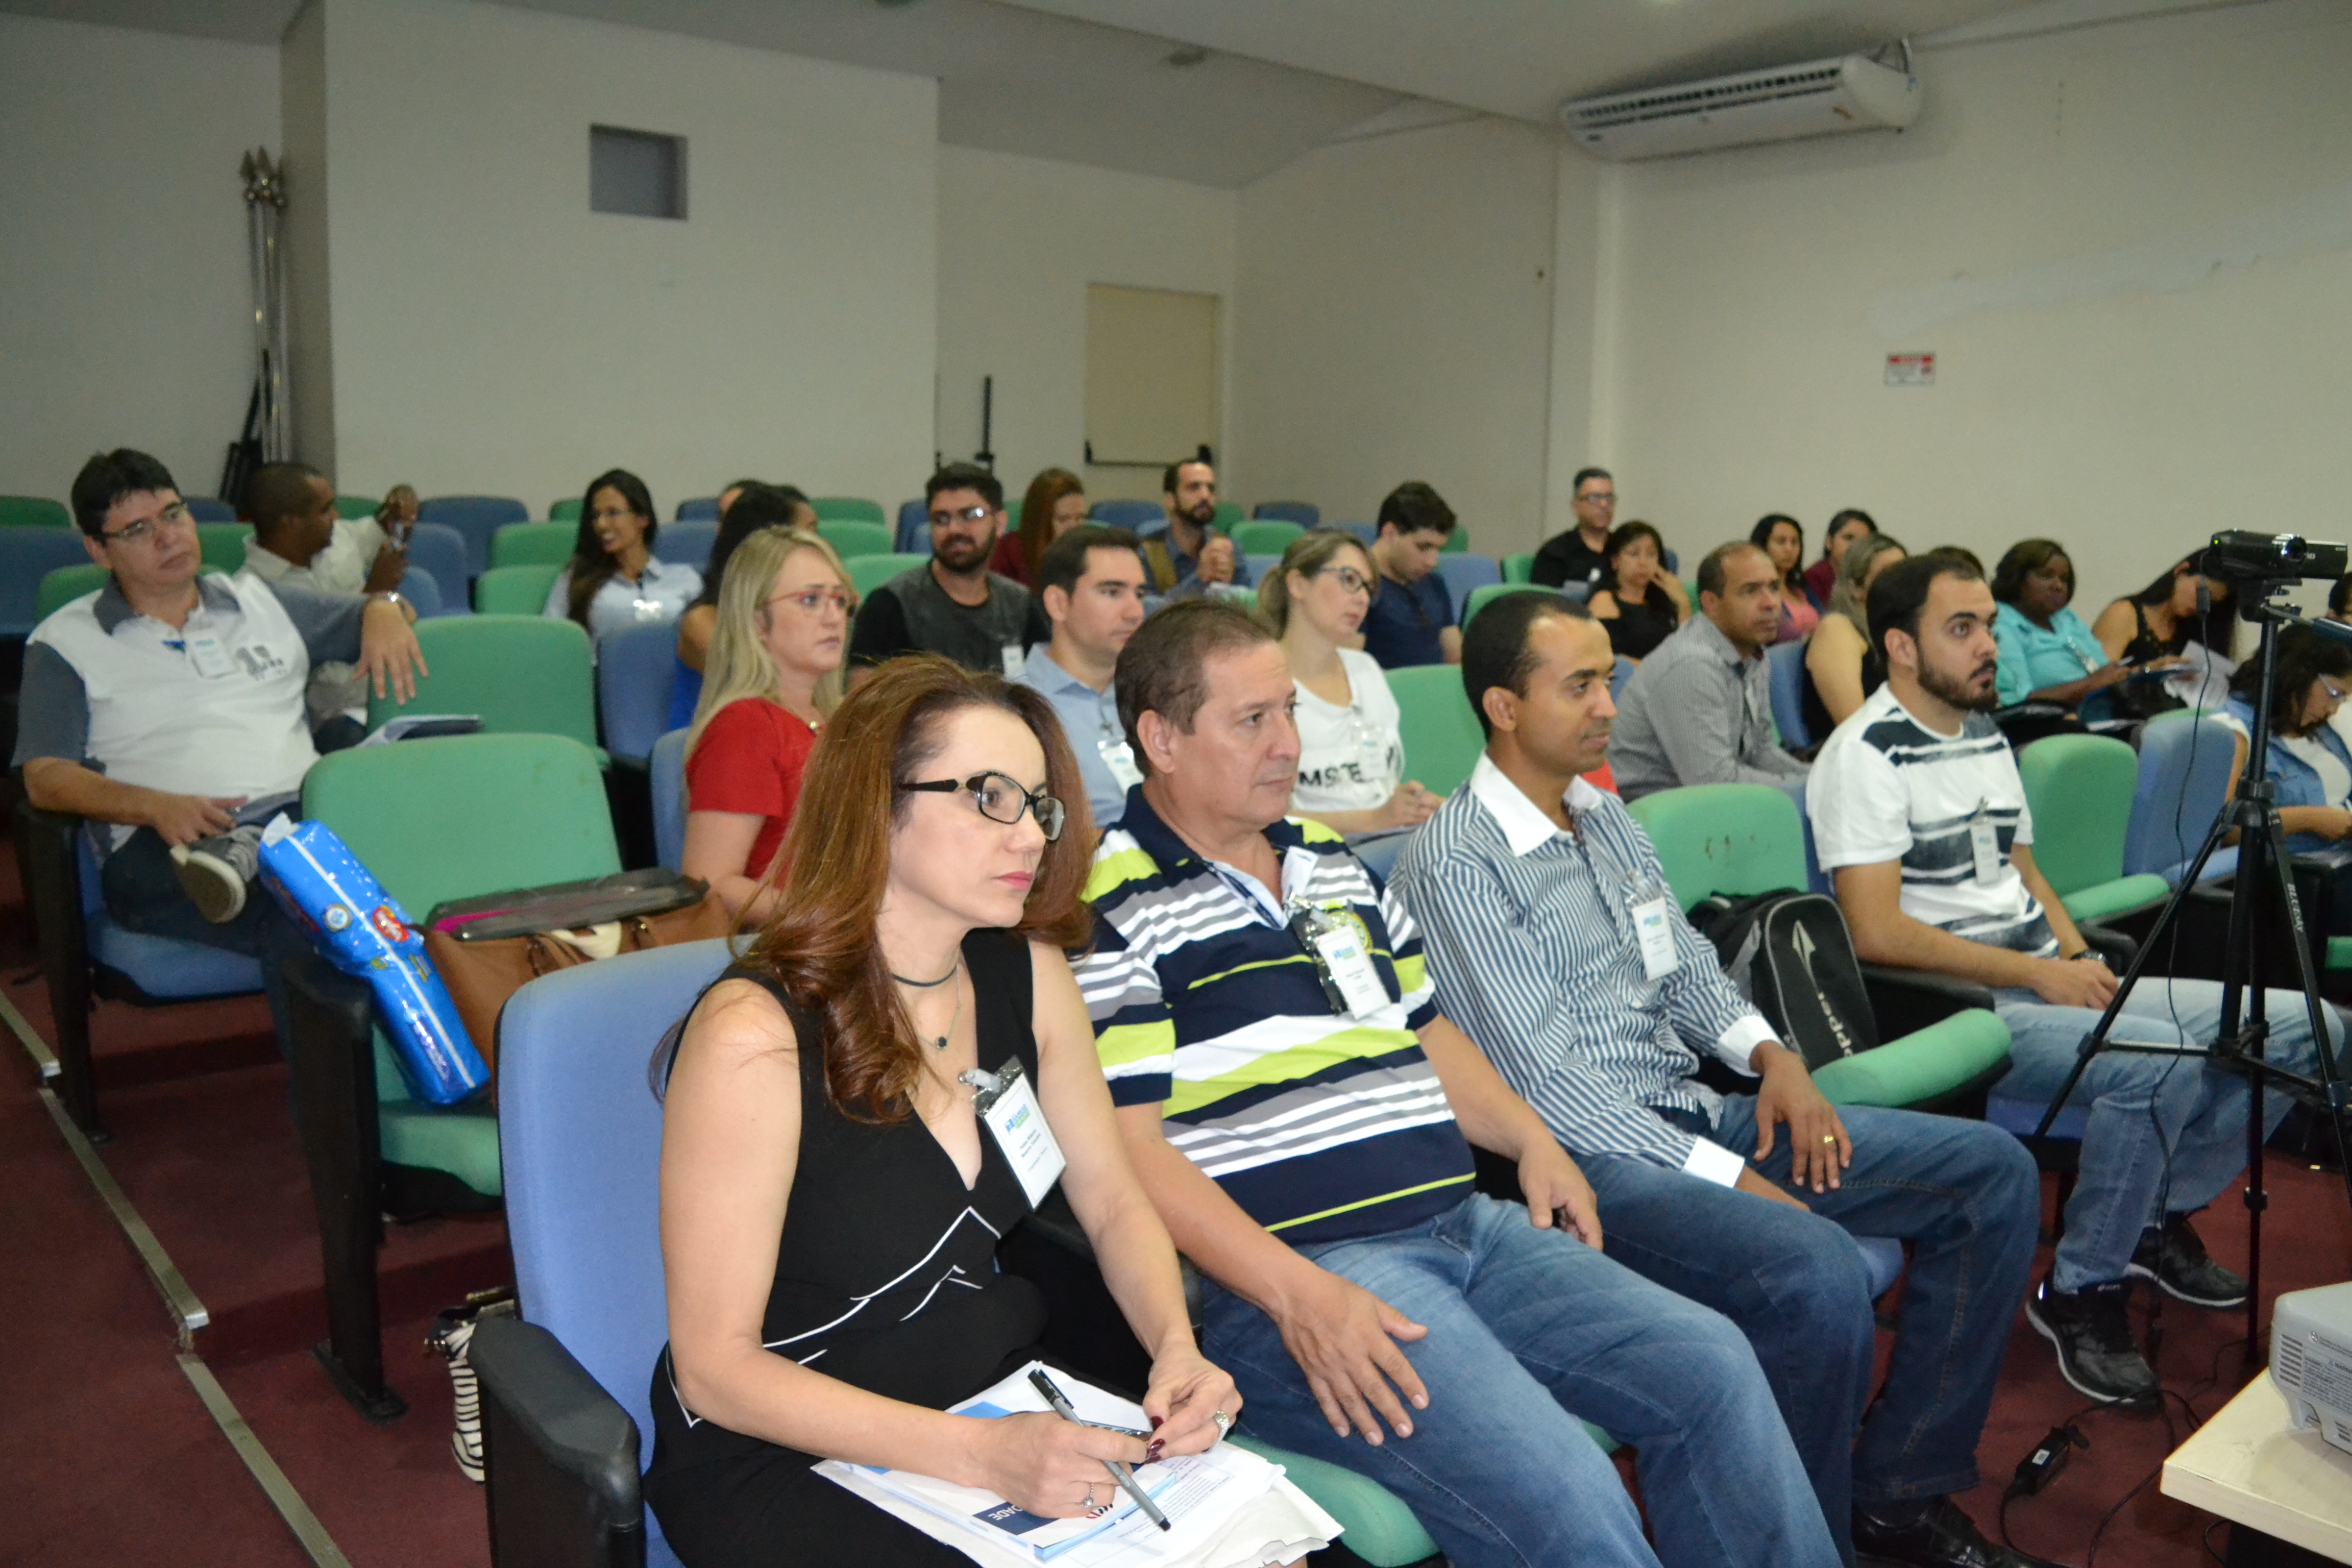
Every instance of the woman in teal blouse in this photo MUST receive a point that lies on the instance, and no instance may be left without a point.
(2047, 654)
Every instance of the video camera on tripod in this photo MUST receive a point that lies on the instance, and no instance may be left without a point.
(2242, 556)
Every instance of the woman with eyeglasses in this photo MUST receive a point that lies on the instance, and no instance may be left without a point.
(614, 579)
(831, 1203)
(1350, 755)
(1634, 605)
(773, 673)
(2310, 766)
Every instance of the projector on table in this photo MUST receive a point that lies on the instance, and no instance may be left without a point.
(2311, 1359)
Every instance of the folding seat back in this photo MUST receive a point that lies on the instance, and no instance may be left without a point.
(687, 543)
(533, 544)
(28, 555)
(633, 668)
(847, 508)
(520, 674)
(853, 536)
(1440, 735)
(476, 518)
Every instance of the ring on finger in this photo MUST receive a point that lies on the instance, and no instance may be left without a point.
(1828, 1137)
(1224, 1422)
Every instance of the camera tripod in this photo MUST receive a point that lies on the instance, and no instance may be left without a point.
(2241, 1047)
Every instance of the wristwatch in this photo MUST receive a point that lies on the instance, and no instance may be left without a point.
(389, 596)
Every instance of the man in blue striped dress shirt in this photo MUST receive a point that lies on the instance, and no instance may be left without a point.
(1301, 1113)
(1554, 939)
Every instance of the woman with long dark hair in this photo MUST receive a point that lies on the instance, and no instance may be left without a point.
(1844, 529)
(1782, 538)
(1633, 603)
(1056, 503)
(2163, 618)
(614, 578)
(831, 1204)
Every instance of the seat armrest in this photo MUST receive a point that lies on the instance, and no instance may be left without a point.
(49, 858)
(1905, 1001)
(2112, 946)
(560, 1455)
(1946, 1066)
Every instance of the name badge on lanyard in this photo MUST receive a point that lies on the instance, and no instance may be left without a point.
(1654, 928)
(1014, 660)
(1008, 1107)
(1351, 982)
(211, 660)
(1119, 758)
(1984, 846)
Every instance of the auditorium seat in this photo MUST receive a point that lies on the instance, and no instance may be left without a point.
(534, 814)
(1135, 516)
(423, 591)
(687, 543)
(850, 536)
(1261, 567)
(1265, 538)
(633, 670)
(868, 573)
(518, 674)
(2080, 790)
(1785, 663)
(514, 590)
(441, 549)
(207, 509)
(914, 527)
(667, 767)
(700, 509)
(28, 555)
(33, 512)
(61, 586)
(474, 518)
(2182, 783)
(564, 510)
(532, 545)
(1439, 732)
(222, 544)
(1519, 568)
(847, 508)
(1941, 1043)
(1364, 530)
(1304, 513)
(353, 509)
(1457, 543)
(1465, 575)
(1479, 598)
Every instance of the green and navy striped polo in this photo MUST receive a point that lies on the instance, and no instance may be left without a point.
(1319, 1125)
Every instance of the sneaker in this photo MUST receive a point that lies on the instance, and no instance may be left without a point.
(2175, 1260)
(1939, 1536)
(215, 871)
(2093, 1336)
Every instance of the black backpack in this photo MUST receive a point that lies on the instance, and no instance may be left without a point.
(1790, 953)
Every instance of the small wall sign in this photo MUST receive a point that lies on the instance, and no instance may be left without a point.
(1910, 370)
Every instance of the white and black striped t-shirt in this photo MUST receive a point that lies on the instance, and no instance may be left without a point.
(1887, 787)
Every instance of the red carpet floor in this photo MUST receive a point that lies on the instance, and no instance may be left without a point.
(117, 1461)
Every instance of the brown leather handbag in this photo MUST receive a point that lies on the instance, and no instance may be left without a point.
(491, 947)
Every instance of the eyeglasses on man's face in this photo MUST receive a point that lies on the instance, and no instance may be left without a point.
(172, 516)
(960, 514)
(999, 799)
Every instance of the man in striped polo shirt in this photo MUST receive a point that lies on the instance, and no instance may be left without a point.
(1552, 936)
(1919, 813)
(1301, 1115)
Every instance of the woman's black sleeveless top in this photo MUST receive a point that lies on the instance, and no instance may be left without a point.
(886, 1275)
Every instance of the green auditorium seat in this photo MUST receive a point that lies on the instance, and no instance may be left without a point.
(351, 509)
(222, 544)
(564, 510)
(1519, 568)
(533, 544)
(868, 573)
(851, 538)
(433, 820)
(1229, 517)
(1264, 536)
(514, 590)
(1741, 839)
(67, 583)
(1441, 734)
(2079, 788)
(848, 509)
(1480, 597)
(520, 674)
(33, 512)
(1457, 543)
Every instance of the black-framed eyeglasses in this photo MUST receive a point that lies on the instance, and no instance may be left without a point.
(999, 799)
(960, 514)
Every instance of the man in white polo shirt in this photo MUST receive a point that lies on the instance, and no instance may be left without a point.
(163, 703)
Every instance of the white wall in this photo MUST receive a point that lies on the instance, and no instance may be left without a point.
(1020, 238)
(2130, 247)
(125, 312)
(490, 333)
(1395, 323)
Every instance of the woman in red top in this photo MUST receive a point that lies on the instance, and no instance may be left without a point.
(773, 673)
(1055, 504)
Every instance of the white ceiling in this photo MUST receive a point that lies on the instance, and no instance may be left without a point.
(1090, 81)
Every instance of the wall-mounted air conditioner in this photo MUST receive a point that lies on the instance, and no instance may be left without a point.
(1820, 98)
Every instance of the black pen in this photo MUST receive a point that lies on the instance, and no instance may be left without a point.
(1053, 1395)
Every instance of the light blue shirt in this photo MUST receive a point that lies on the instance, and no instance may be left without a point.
(2031, 658)
(660, 594)
(1090, 719)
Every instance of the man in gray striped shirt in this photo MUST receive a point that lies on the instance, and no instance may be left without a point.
(1554, 942)
(1919, 813)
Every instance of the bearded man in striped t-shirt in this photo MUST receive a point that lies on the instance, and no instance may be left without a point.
(1920, 816)
(1302, 1115)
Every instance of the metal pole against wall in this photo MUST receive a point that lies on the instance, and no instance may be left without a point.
(265, 203)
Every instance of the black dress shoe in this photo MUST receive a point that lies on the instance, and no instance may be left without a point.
(2174, 1257)
(1941, 1537)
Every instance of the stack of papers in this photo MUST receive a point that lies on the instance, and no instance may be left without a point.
(1202, 1494)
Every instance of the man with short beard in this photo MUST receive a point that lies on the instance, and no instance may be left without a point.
(952, 605)
(1920, 816)
(1191, 557)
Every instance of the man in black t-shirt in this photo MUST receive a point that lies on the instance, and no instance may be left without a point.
(952, 605)
(1581, 554)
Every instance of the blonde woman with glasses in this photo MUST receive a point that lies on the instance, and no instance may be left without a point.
(1350, 756)
(772, 677)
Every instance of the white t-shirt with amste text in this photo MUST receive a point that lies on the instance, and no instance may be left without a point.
(1350, 758)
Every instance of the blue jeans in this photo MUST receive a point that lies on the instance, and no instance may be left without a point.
(1529, 1330)
(2165, 1133)
(1965, 1195)
(142, 892)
